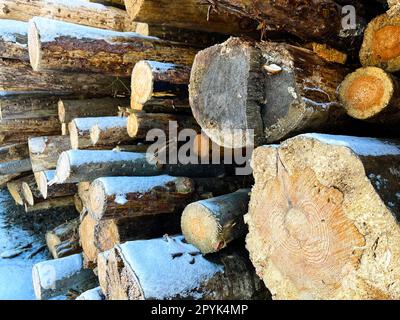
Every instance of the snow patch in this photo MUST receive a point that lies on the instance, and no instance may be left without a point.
(168, 267)
(37, 145)
(14, 31)
(360, 145)
(81, 157)
(92, 294)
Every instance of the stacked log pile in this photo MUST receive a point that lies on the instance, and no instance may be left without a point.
(90, 89)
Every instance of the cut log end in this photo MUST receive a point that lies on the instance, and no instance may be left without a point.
(366, 92)
(34, 46)
(142, 82)
(63, 170)
(61, 111)
(201, 229)
(27, 192)
(41, 182)
(74, 135)
(133, 125)
(385, 45)
(133, 8)
(86, 236)
(97, 199)
(15, 194)
(95, 134)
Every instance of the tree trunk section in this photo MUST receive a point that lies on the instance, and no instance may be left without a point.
(312, 233)
(63, 240)
(14, 40)
(14, 159)
(48, 190)
(110, 131)
(15, 188)
(50, 204)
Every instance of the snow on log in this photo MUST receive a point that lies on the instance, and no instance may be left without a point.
(323, 218)
(169, 268)
(44, 151)
(14, 40)
(63, 240)
(76, 11)
(14, 159)
(57, 277)
(212, 223)
(115, 197)
(87, 165)
(110, 131)
(188, 14)
(152, 79)
(94, 294)
(62, 46)
(100, 236)
(273, 89)
(68, 110)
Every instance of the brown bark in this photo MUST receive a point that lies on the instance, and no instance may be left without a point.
(15, 188)
(323, 218)
(48, 190)
(225, 276)
(18, 77)
(242, 91)
(68, 110)
(110, 131)
(14, 159)
(79, 12)
(50, 204)
(63, 240)
(14, 40)
(78, 48)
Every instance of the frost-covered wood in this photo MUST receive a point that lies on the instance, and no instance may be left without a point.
(18, 77)
(56, 45)
(187, 14)
(115, 197)
(140, 123)
(68, 110)
(87, 165)
(110, 131)
(44, 151)
(14, 159)
(76, 11)
(371, 94)
(212, 223)
(323, 218)
(169, 268)
(152, 80)
(48, 190)
(14, 40)
(99, 236)
(94, 294)
(57, 277)
(27, 105)
(63, 240)
(380, 47)
(272, 90)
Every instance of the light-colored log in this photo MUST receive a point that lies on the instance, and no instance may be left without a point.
(14, 40)
(63, 240)
(48, 190)
(110, 131)
(50, 204)
(14, 159)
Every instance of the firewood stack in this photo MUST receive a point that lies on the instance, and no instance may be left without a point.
(87, 86)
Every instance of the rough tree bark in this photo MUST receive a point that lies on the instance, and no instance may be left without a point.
(63, 240)
(14, 40)
(48, 190)
(14, 159)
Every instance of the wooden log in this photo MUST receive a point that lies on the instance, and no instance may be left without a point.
(322, 218)
(380, 47)
(69, 47)
(152, 79)
(5, 179)
(140, 123)
(77, 11)
(212, 223)
(228, 275)
(31, 193)
(64, 129)
(102, 261)
(18, 77)
(14, 40)
(79, 132)
(14, 159)
(100, 236)
(132, 148)
(94, 294)
(15, 106)
(44, 151)
(115, 197)
(63, 240)
(263, 96)
(56, 277)
(163, 104)
(110, 131)
(87, 165)
(187, 15)
(371, 94)
(68, 110)
(319, 20)
(47, 190)
(20, 130)
(15, 188)
(51, 204)
(83, 193)
(394, 7)
(115, 3)
(79, 207)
